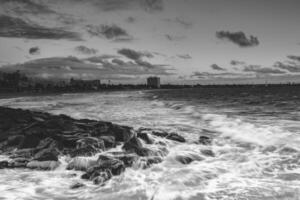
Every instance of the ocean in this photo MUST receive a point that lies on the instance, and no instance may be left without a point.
(256, 142)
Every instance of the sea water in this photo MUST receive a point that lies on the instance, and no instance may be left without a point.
(256, 142)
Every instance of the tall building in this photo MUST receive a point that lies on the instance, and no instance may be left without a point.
(153, 82)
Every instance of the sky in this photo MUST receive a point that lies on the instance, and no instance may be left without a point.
(125, 41)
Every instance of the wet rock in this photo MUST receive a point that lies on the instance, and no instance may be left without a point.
(144, 136)
(188, 158)
(109, 141)
(207, 152)
(29, 141)
(146, 162)
(3, 164)
(122, 133)
(127, 158)
(47, 154)
(44, 165)
(170, 136)
(77, 185)
(15, 140)
(205, 140)
(106, 167)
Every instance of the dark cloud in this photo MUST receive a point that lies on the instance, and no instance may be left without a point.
(101, 58)
(184, 56)
(236, 62)
(66, 67)
(109, 31)
(34, 51)
(18, 28)
(134, 55)
(294, 58)
(238, 38)
(26, 7)
(207, 75)
(262, 70)
(217, 67)
(292, 68)
(85, 50)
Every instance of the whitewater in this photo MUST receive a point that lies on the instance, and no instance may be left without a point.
(256, 145)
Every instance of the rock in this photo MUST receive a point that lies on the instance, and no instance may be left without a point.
(146, 162)
(127, 158)
(115, 166)
(145, 137)
(15, 140)
(170, 136)
(175, 137)
(44, 165)
(77, 185)
(29, 141)
(81, 163)
(134, 145)
(205, 140)
(3, 164)
(101, 177)
(207, 152)
(122, 133)
(47, 143)
(47, 154)
(109, 141)
(188, 158)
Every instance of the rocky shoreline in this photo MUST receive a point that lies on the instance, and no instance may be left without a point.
(36, 140)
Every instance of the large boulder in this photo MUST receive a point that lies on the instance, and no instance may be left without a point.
(169, 136)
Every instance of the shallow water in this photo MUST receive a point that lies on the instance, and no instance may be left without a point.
(256, 145)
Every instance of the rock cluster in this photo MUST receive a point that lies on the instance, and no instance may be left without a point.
(36, 140)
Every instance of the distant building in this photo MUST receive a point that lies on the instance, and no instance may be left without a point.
(88, 84)
(153, 82)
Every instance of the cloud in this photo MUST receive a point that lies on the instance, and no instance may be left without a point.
(184, 56)
(111, 32)
(153, 5)
(207, 75)
(137, 57)
(236, 62)
(18, 28)
(182, 22)
(292, 68)
(174, 37)
(295, 58)
(238, 38)
(262, 70)
(27, 7)
(217, 67)
(34, 51)
(67, 67)
(101, 58)
(85, 50)
(134, 55)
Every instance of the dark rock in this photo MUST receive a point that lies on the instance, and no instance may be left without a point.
(188, 158)
(122, 133)
(3, 164)
(205, 140)
(127, 158)
(77, 185)
(175, 137)
(15, 140)
(146, 162)
(134, 145)
(47, 154)
(109, 141)
(29, 141)
(145, 137)
(114, 165)
(170, 136)
(207, 152)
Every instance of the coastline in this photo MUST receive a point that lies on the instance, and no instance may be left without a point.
(36, 140)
